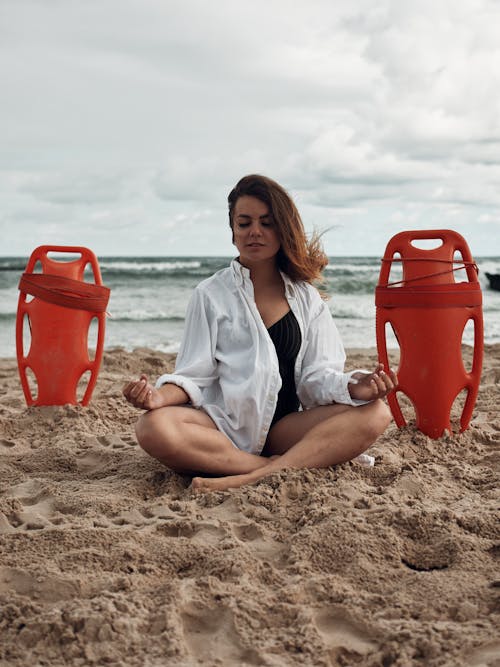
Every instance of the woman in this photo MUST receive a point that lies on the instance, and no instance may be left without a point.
(261, 361)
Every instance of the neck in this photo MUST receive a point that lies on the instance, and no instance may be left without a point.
(263, 273)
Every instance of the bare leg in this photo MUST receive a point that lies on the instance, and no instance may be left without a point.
(317, 438)
(186, 440)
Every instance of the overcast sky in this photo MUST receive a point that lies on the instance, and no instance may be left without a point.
(125, 123)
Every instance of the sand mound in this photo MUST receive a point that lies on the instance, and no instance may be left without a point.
(108, 558)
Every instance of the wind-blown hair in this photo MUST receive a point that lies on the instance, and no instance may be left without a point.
(299, 257)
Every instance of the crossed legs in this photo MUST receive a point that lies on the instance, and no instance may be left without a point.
(187, 440)
(317, 438)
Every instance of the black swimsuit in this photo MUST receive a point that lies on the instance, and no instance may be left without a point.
(285, 334)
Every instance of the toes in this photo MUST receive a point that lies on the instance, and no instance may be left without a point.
(199, 484)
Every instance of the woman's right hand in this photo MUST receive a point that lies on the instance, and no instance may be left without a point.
(141, 394)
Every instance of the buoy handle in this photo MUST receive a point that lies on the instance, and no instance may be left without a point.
(428, 265)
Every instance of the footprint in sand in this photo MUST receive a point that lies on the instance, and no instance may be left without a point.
(112, 440)
(93, 462)
(203, 532)
(212, 632)
(167, 518)
(8, 524)
(38, 502)
(48, 588)
(265, 548)
(7, 443)
(133, 517)
(485, 656)
(209, 533)
(161, 512)
(343, 637)
(248, 532)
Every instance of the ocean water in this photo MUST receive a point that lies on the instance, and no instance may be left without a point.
(149, 296)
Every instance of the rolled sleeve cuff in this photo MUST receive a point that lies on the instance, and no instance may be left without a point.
(191, 389)
(348, 377)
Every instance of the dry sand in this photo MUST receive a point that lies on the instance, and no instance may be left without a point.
(107, 558)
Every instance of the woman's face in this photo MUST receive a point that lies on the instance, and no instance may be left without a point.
(255, 233)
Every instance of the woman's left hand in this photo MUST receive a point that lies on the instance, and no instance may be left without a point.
(370, 386)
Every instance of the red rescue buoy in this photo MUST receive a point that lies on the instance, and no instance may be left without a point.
(59, 316)
(428, 311)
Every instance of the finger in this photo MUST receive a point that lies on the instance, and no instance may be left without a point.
(383, 384)
(385, 378)
(148, 401)
(394, 377)
(137, 388)
(388, 387)
(379, 383)
(129, 395)
(391, 380)
(127, 387)
(144, 394)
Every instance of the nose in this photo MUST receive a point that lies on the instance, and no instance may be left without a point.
(255, 228)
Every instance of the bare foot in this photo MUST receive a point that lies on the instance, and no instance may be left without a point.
(200, 484)
(235, 481)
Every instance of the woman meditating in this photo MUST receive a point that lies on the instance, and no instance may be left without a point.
(259, 384)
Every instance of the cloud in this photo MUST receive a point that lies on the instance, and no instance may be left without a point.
(182, 179)
(73, 188)
(141, 115)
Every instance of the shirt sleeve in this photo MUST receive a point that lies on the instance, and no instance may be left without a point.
(322, 380)
(196, 367)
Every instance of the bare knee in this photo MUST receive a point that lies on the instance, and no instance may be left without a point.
(156, 434)
(145, 430)
(378, 419)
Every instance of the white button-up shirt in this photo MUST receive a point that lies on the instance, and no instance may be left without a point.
(227, 362)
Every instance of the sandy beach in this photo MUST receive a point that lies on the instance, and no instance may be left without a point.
(108, 558)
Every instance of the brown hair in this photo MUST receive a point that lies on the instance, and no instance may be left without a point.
(299, 257)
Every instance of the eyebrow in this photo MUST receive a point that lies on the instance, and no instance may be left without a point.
(245, 215)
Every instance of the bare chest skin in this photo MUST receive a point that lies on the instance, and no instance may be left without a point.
(271, 303)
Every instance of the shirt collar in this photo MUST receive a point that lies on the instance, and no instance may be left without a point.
(242, 275)
(240, 272)
(289, 291)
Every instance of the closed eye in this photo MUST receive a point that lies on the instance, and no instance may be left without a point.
(245, 220)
